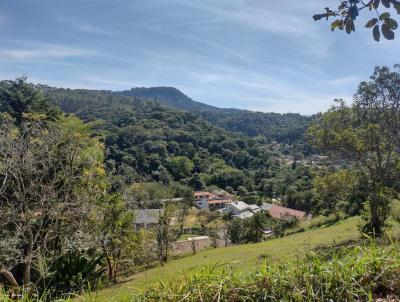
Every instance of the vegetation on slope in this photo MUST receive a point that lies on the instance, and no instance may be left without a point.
(359, 274)
(242, 259)
(283, 128)
(169, 96)
(147, 141)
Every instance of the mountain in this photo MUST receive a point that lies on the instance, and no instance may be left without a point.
(284, 128)
(169, 96)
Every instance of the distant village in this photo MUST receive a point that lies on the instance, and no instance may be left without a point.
(221, 204)
(221, 201)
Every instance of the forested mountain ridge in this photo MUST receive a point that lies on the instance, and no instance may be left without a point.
(285, 128)
(168, 96)
(148, 141)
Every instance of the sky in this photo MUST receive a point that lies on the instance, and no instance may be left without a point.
(259, 55)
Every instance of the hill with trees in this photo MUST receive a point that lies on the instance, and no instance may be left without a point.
(168, 96)
(283, 128)
(147, 141)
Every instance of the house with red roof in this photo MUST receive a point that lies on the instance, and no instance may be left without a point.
(199, 195)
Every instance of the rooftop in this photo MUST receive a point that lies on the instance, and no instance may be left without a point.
(240, 205)
(200, 193)
(244, 215)
(279, 212)
(219, 201)
(147, 216)
(266, 206)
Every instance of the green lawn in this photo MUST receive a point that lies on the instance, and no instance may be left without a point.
(243, 257)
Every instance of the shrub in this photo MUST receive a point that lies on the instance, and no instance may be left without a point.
(72, 272)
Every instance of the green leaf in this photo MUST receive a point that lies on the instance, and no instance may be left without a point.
(376, 3)
(386, 3)
(371, 23)
(335, 24)
(387, 32)
(341, 25)
(376, 32)
(391, 23)
(384, 16)
(397, 7)
(350, 26)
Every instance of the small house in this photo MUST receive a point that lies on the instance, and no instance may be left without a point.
(237, 207)
(217, 204)
(147, 218)
(203, 195)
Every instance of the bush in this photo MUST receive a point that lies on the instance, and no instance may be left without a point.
(72, 272)
(325, 220)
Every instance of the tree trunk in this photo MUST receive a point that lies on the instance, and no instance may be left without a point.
(9, 277)
(110, 268)
(28, 260)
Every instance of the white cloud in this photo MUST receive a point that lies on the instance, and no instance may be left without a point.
(86, 27)
(36, 51)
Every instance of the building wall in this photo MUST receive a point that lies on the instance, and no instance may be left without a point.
(185, 246)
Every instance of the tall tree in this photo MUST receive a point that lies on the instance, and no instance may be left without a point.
(19, 99)
(118, 240)
(49, 174)
(367, 133)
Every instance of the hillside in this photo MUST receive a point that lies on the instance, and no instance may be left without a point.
(249, 257)
(285, 128)
(148, 141)
(169, 96)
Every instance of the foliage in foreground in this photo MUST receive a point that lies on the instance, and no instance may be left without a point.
(367, 134)
(357, 274)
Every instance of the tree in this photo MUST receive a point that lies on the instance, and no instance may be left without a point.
(21, 101)
(235, 231)
(49, 175)
(118, 240)
(367, 133)
(335, 190)
(180, 167)
(256, 226)
(164, 234)
(348, 11)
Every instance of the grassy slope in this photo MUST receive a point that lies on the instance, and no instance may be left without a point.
(243, 257)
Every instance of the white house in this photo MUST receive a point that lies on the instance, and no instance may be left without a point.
(237, 207)
(241, 210)
(244, 215)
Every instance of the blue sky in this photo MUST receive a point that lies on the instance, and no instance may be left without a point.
(255, 54)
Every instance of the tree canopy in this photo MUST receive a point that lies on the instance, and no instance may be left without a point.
(367, 133)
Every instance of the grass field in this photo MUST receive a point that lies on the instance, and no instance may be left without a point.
(244, 257)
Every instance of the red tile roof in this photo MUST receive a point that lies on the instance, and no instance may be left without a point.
(219, 201)
(196, 194)
(279, 212)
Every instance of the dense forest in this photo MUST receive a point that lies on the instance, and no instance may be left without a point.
(285, 128)
(147, 141)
